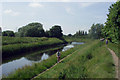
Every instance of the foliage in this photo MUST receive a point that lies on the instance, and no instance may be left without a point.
(56, 31)
(115, 48)
(111, 29)
(8, 33)
(0, 31)
(16, 48)
(70, 35)
(96, 31)
(80, 33)
(84, 63)
(21, 40)
(35, 69)
(32, 30)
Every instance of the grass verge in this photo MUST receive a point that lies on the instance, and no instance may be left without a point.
(92, 61)
(18, 49)
(35, 69)
(115, 48)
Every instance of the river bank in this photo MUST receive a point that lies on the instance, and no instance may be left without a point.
(45, 63)
(15, 48)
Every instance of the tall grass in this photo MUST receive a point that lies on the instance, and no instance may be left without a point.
(115, 48)
(77, 39)
(92, 61)
(35, 69)
(18, 49)
(21, 40)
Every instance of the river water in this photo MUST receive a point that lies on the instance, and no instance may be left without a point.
(12, 65)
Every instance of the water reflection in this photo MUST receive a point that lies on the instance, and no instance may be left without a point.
(32, 58)
(67, 47)
(44, 56)
(40, 56)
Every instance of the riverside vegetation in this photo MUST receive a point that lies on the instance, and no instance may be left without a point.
(84, 62)
(90, 60)
(16, 46)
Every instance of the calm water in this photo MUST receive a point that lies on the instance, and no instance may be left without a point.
(11, 66)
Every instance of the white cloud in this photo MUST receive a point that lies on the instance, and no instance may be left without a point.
(11, 12)
(87, 4)
(35, 4)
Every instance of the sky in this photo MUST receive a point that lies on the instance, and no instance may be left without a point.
(71, 16)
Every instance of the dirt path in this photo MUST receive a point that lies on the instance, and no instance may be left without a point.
(53, 65)
(115, 58)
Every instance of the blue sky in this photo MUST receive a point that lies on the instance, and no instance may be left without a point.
(71, 16)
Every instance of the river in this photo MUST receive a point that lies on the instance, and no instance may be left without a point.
(12, 65)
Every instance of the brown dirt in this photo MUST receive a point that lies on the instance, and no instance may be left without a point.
(115, 58)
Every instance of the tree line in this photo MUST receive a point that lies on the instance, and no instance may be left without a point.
(35, 30)
(110, 30)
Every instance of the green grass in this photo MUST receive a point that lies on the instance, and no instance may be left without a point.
(115, 48)
(21, 40)
(18, 49)
(31, 71)
(77, 39)
(31, 54)
(91, 61)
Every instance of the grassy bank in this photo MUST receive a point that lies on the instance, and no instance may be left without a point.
(20, 40)
(31, 71)
(77, 39)
(115, 48)
(91, 61)
(18, 49)
(32, 54)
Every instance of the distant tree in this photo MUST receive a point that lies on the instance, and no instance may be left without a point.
(80, 33)
(85, 32)
(0, 31)
(70, 35)
(8, 33)
(47, 34)
(32, 30)
(56, 31)
(111, 29)
(96, 31)
(17, 34)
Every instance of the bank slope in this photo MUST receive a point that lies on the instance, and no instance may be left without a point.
(92, 61)
(15, 48)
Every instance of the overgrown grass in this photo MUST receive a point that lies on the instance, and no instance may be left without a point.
(32, 54)
(77, 39)
(115, 48)
(92, 61)
(18, 49)
(35, 69)
(21, 40)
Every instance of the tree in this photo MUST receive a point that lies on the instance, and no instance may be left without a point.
(32, 30)
(85, 32)
(111, 29)
(56, 31)
(96, 31)
(80, 33)
(8, 33)
(47, 34)
(70, 35)
(0, 31)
